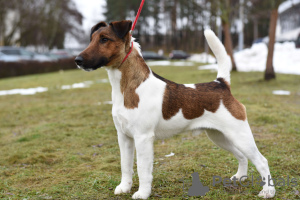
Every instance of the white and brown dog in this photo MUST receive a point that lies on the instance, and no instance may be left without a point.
(147, 106)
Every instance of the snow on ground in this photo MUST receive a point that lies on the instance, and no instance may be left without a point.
(281, 92)
(170, 63)
(105, 102)
(286, 59)
(84, 84)
(202, 58)
(28, 91)
(32, 91)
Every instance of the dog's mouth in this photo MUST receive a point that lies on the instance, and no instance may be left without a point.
(90, 65)
(88, 69)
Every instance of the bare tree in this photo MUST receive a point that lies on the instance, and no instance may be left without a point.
(226, 8)
(39, 22)
(270, 73)
(260, 9)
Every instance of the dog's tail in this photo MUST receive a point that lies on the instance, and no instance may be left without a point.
(224, 63)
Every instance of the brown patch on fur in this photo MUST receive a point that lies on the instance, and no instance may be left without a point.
(193, 102)
(134, 72)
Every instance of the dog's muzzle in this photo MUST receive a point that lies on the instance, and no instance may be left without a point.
(90, 65)
(80, 65)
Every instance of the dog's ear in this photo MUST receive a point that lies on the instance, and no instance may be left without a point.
(96, 27)
(121, 28)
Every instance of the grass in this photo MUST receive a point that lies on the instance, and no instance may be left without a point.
(62, 144)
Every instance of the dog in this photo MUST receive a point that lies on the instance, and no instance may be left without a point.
(147, 106)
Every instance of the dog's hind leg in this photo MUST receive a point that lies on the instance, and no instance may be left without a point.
(126, 145)
(219, 139)
(145, 155)
(241, 137)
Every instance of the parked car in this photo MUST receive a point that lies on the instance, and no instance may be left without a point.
(23, 54)
(9, 58)
(18, 52)
(42, 58)
(150, 55)
(60, 54)
(297, 42)
(178, 54)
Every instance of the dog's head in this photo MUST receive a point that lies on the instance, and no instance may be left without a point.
(108, 45)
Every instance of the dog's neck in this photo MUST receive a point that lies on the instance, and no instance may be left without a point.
(127, 77)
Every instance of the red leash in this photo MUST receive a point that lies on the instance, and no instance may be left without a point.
(137, 15)
(132, 28)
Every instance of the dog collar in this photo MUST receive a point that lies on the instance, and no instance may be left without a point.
(128, 53)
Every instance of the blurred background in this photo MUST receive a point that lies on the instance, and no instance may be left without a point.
(54, 30)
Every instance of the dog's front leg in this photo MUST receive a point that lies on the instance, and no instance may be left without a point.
(144, 152)
(126, 145)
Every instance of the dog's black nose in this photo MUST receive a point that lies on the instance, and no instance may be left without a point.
(79, 60)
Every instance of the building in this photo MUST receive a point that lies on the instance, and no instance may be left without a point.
(288, 21)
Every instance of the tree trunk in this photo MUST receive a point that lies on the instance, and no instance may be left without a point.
(269, 73)
(174, 25)
(255, 28)
(228, 44)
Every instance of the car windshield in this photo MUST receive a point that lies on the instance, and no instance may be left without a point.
(26, 53)
(11, 51)
(178, 51)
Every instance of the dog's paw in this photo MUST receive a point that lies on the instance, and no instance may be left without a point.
(122, 188)
(141, 195)
(239, 177)
(267, 193)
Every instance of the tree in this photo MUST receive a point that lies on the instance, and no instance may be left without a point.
(227, 13)
(271, 8)
(270, 73)
(39, 22)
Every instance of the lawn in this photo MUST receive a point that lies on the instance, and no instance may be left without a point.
(62, 144)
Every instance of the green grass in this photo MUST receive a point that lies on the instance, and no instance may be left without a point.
(49, 142)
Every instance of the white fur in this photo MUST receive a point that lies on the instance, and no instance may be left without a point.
(136, 45)
(139, 127)
(224, 63)
(190, 85)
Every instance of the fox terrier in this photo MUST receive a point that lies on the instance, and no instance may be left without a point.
(147, 106)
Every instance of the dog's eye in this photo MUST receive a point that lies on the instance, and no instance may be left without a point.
(103, 40)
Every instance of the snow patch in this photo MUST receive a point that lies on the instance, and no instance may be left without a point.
(102, 80)
(281, 92)
(212, 67)
(170, 63)
(202, 58)
(84, 84)
(286, 59)
(105, 102)
(28, 91)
